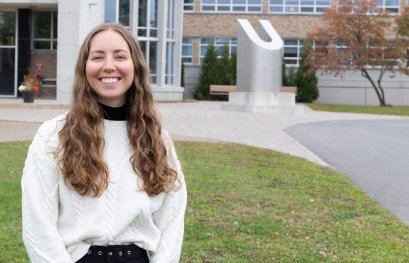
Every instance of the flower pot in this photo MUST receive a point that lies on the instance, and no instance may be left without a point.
(28, 96)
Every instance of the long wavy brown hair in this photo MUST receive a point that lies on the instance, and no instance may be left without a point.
(81, 137)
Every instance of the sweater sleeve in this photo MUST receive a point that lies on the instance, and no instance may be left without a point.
(170, 216)
(40, 203)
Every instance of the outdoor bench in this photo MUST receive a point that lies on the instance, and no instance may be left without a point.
(222, 89)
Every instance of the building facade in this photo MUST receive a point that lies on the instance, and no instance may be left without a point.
(45, 36)
(215, 21)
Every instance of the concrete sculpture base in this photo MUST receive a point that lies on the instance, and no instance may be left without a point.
(263, 102)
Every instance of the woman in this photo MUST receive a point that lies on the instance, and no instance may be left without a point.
(102, 183)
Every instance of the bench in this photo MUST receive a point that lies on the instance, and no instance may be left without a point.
(48, 88)
(222, 89)
(289, 89)
(48, 82)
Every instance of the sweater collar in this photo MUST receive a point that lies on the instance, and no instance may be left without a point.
(115, 113)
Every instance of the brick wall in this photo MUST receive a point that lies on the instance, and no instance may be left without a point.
(225, 25)
(49, 60)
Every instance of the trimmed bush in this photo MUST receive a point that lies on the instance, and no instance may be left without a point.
(305, 80)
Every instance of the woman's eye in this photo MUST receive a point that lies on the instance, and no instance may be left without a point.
(121, 57)
(97, 58)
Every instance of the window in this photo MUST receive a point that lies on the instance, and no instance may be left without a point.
(124, 12)
(293, 49)
(234, 6)
(187, 50)
(298, 6)
(147, 33)
(390, 6)
(44, 34)
(219, 44)
(189, 5)
(170, 44)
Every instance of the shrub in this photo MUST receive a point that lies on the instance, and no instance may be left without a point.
(208, 74)
(305, 79)
(221, 71)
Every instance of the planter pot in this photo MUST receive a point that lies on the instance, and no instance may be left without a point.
(28, 96)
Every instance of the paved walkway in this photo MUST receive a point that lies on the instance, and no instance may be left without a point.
(207, 121)
(190, 120)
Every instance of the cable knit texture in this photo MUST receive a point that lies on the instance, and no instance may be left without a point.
(59, 225)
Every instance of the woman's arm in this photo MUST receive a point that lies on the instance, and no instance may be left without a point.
(170, 216)
(40, 203)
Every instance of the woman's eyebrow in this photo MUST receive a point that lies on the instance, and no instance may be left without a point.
(115, 51)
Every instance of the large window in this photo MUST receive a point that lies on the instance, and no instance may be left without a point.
(124, 13)
(189, 5)
(390, 6)
(219, 44)
(147, 33)
(170, 44)
(44, 34)
(235, 6)
(118, 11)
(298, 6)
(187, 50)
(293, 49)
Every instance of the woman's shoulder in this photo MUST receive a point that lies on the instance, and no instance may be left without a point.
(50, 126)
(167, 139)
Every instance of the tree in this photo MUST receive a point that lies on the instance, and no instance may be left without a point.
(208, 75)
(225, 68)
(284, 80)
(221, 71)
(305, 79)
(402, 22)
(233, 65)
(353, 38)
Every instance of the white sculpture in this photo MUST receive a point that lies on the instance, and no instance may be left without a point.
(259, 71)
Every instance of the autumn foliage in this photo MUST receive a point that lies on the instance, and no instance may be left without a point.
(354, 37)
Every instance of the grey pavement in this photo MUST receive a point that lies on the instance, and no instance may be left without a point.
(374, 154)
(207, 121)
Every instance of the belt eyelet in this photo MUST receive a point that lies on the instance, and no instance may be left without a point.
(100, 253)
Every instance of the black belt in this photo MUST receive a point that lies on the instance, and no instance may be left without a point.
(121, 252)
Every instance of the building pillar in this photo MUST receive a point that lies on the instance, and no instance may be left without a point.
(75, 19)
(161, 90)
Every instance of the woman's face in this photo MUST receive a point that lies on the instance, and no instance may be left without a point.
(109, 68)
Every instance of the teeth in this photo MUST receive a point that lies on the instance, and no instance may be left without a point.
(109, 80)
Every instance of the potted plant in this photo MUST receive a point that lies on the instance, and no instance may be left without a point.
(31, 85)
(28, 93)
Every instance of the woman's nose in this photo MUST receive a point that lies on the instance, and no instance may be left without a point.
(109, 65)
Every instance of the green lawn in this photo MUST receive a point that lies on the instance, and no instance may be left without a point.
(395, 110)
(250, 205)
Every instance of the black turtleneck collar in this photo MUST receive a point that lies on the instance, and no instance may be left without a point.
(115, 114)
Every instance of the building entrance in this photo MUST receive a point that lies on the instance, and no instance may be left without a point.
(8, 53)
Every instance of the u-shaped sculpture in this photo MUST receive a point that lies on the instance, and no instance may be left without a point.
(259, 57)
(259, 71)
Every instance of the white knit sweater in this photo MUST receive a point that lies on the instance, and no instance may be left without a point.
(60, 225)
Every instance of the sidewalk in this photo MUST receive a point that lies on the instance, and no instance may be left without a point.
(190, 121)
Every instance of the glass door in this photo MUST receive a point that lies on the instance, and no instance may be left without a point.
(8, 53)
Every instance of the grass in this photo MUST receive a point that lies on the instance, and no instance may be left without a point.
(250, 205)
(395, 110)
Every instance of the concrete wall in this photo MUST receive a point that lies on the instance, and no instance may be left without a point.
(352, 88)
(192, 73)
